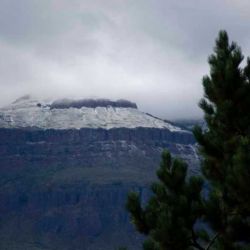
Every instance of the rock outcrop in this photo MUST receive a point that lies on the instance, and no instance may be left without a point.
(91, 103)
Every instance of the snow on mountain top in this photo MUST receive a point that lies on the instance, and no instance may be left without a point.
(76, 114)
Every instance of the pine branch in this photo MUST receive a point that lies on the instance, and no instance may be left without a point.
(195, 243)
(212, 241)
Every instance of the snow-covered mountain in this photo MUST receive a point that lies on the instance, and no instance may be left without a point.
(77, 114)
(66, 167)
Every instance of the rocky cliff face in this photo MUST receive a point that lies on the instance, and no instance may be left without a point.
(65, 188)
(113, 148)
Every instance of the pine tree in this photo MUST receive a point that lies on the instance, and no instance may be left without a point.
(170, 215)
(225, 145)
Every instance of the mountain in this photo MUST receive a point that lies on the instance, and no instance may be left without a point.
(66, 167)
(76, 114)
(189, 124)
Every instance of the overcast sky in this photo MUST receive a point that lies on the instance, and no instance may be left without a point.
(153, 52)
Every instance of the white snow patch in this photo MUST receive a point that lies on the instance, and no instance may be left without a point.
(28, 112)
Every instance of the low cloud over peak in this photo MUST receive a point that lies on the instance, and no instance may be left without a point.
(153, 53)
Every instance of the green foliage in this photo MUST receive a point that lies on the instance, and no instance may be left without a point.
(170, 216)
(225, 145)
(171, 213)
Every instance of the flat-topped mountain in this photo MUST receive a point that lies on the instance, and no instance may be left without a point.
(66, 167)
(77, 114)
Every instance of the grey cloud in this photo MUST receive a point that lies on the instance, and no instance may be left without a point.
(152, 52)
